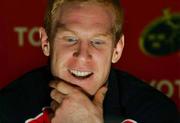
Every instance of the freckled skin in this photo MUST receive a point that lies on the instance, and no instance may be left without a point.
(84, 22)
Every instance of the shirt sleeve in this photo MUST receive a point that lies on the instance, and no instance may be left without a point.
(41, 118)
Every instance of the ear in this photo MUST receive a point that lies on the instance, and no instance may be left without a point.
(118, 50)
(44, 41)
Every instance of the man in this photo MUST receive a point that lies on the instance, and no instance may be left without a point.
(82, 38)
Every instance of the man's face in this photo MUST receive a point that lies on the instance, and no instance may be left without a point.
(82, 49)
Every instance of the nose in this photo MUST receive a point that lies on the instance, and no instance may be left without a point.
(82, 51)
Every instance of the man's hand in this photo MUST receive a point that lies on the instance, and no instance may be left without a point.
(71, 105)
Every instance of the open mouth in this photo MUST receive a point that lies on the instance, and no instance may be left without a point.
(80, 74)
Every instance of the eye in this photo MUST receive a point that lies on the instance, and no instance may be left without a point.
(70, 39)
(97, 42)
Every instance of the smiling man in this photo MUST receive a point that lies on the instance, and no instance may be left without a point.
(83, 38)
(83, 44)
(82, 48)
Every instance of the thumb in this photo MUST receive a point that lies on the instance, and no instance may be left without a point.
(99, 96)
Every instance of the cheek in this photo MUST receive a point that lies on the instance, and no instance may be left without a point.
(103, 63)
(102, 72)
(59, 58)
(103, 58)
(60, 53)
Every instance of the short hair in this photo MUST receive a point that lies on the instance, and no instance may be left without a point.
(53, 6)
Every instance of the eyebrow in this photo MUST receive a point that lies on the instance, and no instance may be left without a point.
(63, 27)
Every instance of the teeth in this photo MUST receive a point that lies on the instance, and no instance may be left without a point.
(80, 73)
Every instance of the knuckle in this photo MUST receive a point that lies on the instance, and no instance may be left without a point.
(53, 93)
(67, 101)
(59, 85)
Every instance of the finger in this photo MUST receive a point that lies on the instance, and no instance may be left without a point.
(99, 96)
(53, 83)
(57, 96)
(54, 105)
(63, 87)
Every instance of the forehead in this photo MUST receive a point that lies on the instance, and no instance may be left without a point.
(85, 13)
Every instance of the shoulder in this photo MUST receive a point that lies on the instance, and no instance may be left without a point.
(142, 102)
(25, 96)
(39, 76)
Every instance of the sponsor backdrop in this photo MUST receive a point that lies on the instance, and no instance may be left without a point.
(152, 41)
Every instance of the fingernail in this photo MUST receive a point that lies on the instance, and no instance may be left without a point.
(52, 84)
